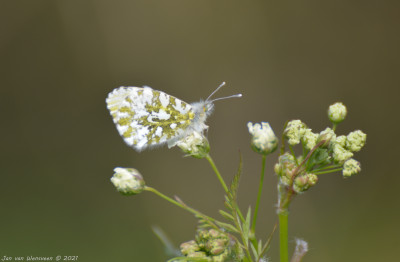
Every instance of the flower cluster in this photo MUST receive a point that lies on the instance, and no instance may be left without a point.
(323, 152)
(209, 244)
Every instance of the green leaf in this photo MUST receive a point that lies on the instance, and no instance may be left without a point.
(170, 249)
(267, 244)
(228, 227)
(228, 203)
(246, 226)
(235, 182)
(253, 249)
(226, 215)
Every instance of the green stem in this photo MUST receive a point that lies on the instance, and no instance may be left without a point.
(214, 167)
(283, 236)
(328, 171)
(191, 210)
(334, 127)
(326, 167)
(283, 139)
(260, 187)
(293, 154)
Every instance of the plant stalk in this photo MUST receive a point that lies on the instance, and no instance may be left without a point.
(283, 236)
(214, 167)
(191, 210)
(260, 187)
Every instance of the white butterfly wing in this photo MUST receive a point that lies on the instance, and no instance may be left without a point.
(145, 117)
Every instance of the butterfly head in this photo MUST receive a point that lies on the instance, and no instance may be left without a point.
(203, 109)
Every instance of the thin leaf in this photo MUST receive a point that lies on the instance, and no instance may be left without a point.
(226, 215)
(228, 227)
(170, 249)
(259, 247)
(253, 249)
(179, 200)
(239, 224)
(246, 226)
(266, 246)
(235, 182)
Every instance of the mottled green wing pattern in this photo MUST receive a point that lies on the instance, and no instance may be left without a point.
(145, 117)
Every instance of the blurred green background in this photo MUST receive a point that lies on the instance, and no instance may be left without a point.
(290, 59)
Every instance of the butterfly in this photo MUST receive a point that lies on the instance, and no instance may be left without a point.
(147, 118)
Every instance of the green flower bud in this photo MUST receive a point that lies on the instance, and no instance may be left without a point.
(210, 243)
(356, 140)
(222, 257)
(195, 145)
(128, 181)
(328, 135)
(304, 182)
(200, 254)
(294, 131)
(189, 247)
(263, 139)
(285, 167)
(351, 167)
(216, 246)
(337, 112)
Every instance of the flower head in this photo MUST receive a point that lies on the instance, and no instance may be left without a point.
(341, 140)
(337, 112)
(195, 145)
(309, 139)
(340, 154)
(263, 139)
(209, 244)
(356, 140)
(304, 182)
(128, 181)
(294, 131)
(351, 167)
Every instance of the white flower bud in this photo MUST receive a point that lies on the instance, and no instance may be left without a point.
(337, 112)
(128, 181)
(309, 139)
(195, 145)
(356, 140)
(294, 131)
(340, 154)
(341, 140)
(351, 167)
(263, 139)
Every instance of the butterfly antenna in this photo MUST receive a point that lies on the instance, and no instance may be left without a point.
(225, 97)
(221, 85)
